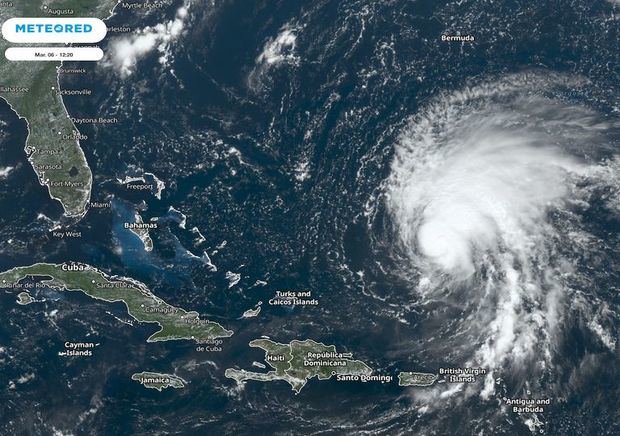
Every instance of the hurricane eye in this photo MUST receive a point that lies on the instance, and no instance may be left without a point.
(480, 193)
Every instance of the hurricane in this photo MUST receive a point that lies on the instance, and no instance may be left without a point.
(487, 192)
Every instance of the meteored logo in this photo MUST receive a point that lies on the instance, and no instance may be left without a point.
(54, 30)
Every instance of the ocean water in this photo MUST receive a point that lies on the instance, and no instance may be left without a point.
(308, 144)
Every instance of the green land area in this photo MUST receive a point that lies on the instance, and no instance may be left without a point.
(299, 361)
(31, 88)
(416, 379)
(158, 380)
(24, 298)
(174, 322)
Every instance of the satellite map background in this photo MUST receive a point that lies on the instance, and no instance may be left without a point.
(449, 204)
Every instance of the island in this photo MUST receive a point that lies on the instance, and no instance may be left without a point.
(416, 379)
(299, 361)
(174, 323)
(33, 92)
(159, 381)
(141, 230)
(251, 313)
(24, 298)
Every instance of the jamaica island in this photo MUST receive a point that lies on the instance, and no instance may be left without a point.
(159, 381)
(299, 361)
(32, 89)
(174, 323)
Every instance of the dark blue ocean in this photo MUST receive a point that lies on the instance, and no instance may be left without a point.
(273, 126)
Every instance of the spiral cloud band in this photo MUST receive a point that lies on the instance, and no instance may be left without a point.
(485, 193)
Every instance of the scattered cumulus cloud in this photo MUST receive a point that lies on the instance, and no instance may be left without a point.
(279, 49)
(126, 51)
(4, 172)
